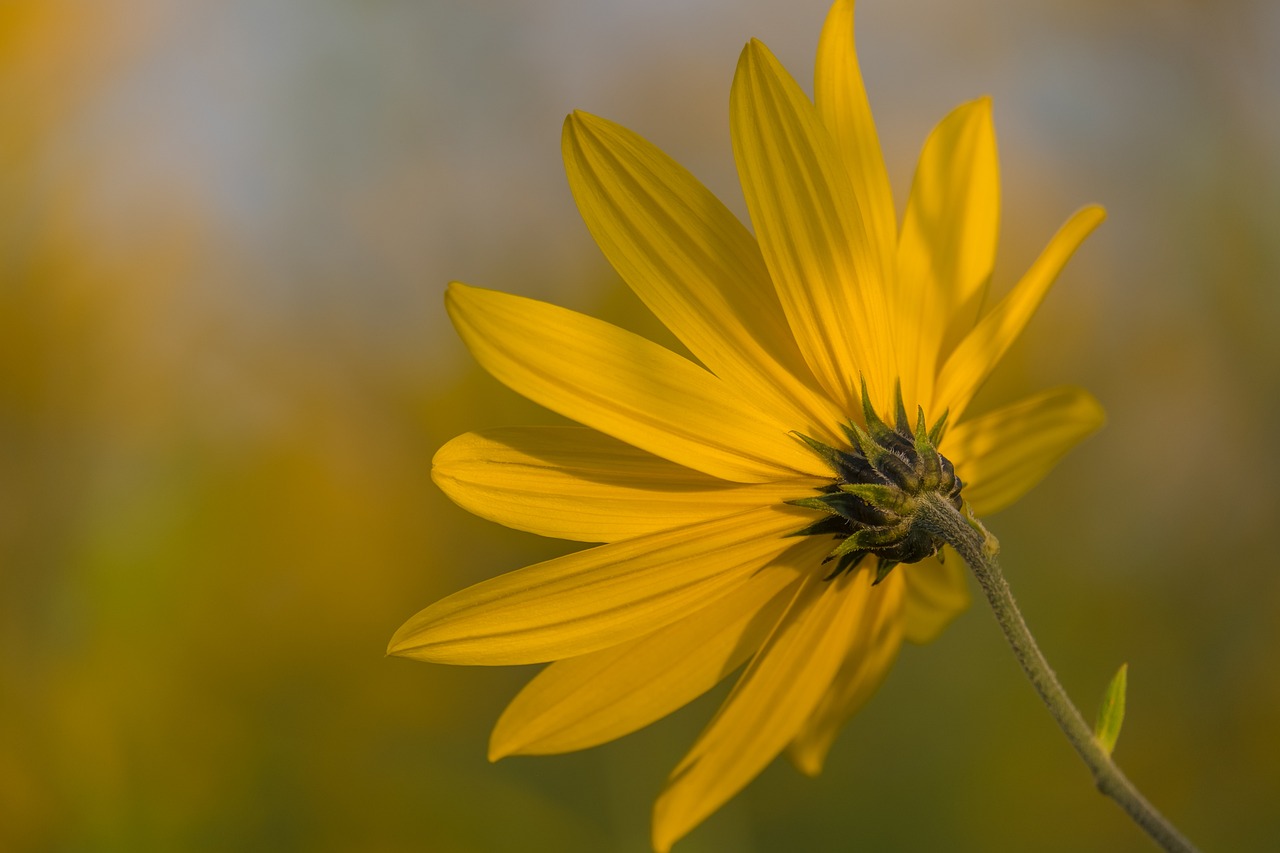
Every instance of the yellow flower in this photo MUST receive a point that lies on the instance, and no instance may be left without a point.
(688, 471)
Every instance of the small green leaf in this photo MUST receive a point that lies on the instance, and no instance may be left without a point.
(1111, 715)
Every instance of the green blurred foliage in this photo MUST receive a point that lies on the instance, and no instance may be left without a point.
(224, 368)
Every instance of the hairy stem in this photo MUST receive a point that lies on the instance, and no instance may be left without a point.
(978, 548)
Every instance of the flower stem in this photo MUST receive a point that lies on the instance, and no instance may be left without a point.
(978, 548)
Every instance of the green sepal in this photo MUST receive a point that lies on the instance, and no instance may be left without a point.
(863, 442)
(841, 463)
(1106, 731)
(900, 409)
(879, 430)
(883, 567)
(888, 464)
(870, 537)
(883, 497)
(829, 455)
(939, 428)
(852, 508)
(848, 545)
(930, 463)
(859, 438)
(818, 502)
(847, 562)
(833, 525)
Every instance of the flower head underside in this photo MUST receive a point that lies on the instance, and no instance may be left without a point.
(825, 340)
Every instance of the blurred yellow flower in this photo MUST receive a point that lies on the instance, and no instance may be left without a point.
(685, 470)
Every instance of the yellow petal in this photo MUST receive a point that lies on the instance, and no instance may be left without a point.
(868, 659)
(599, 597)
(936, 593)
(624, 386)
(842, 103)
(810, 231)
(948, 243)
(983, 347)
(779, 690)
(591, 699)
(694, 264)
(575, 483)
(1001, 455)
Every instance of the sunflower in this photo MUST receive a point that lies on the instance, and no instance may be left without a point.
(749, 507)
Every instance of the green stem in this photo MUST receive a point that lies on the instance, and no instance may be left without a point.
(978, 548)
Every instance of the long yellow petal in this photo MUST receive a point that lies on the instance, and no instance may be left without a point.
(779, 690)
(868, 659)
(575, 483)
(936, 593)
(811, 232)
(983, 347)
(625, 386)
(592, 699)
(1001, 455)
(694, 264)
(841, 99)
(948, 242)
(599, 597)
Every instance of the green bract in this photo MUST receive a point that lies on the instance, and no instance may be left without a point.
(873, 503)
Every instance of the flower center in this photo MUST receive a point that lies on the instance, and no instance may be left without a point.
(881, 481)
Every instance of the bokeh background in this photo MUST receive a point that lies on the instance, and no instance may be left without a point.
(225, 229)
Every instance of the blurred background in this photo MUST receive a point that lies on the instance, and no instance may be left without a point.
(225, 230)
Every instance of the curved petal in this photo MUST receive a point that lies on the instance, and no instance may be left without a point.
(599, 597)
(948, 243)
(1001, 455)
(936, 593)
(571, 482)
(693, 264)
(810, 231)
(592, 699)
(779, 690)
(983, 347)
(868, 659)
(842, 103)
(625, 386)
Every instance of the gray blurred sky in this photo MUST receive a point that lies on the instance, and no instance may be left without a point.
(361, 154)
